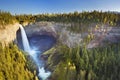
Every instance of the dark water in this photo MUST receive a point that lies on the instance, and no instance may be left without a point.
(37, 42)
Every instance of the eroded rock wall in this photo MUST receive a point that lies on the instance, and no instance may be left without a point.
(41, 28)
(57, 30)
(8, 34)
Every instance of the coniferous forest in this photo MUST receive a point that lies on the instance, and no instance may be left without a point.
(65, 63)
(111, 18)
(14, 65)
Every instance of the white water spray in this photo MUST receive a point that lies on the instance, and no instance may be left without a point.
(25, 42)
(42, 73)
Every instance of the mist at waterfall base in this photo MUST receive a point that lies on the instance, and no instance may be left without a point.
(38, 43)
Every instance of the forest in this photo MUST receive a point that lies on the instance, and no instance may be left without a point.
(110, 18)
(14, 65)
(82, 64)
(69, 63)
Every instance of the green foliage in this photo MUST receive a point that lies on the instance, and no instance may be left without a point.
(25, 18)
(84, 17)
(6, 18)
(109, 18)
(101, 63)
(13, 64)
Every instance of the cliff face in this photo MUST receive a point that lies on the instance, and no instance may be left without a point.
(8, 34)
(57, 30)
(41, 28)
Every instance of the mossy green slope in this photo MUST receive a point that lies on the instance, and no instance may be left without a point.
(13, 65)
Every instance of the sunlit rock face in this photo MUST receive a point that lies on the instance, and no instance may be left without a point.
(8, 34)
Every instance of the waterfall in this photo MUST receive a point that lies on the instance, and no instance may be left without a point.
(25, 42)
(42, 73)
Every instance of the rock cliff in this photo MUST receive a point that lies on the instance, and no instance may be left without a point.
(57, 30)
(8, 34)
(41, 28)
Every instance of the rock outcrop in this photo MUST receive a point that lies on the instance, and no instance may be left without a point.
(8, 34)
(57, 30)
(104, 35)
(41, 28)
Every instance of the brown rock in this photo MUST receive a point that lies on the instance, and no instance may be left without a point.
(8, 34)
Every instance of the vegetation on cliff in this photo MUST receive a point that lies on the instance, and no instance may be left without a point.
(78, 63)
(110, 18)
(80, 21)
(25, 18)
(82, 64)
(6, 18)
(84, 17)
(13, 64)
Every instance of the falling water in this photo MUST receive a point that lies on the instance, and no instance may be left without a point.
(42, 73)
(25, 42)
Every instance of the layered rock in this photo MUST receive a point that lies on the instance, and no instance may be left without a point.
(41, 28)
(57, 30)
(104, 35)
(8, 34)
